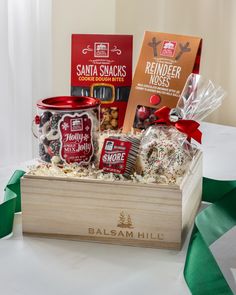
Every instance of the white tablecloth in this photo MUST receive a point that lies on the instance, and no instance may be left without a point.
(36, 266)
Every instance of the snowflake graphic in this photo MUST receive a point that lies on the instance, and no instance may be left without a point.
(87, 128)
(65, 126)
(86, 137)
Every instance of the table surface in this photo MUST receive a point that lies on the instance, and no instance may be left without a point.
(36, 266)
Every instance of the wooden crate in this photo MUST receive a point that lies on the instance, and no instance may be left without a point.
(148, 215)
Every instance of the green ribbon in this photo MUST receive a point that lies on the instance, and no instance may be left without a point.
(201, 270)
(11, 204)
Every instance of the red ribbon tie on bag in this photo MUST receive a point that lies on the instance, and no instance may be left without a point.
(189, 127)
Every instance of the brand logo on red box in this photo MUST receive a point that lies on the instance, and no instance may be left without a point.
(109, 146)
(168, 48)
(76, 124)
(101, 49)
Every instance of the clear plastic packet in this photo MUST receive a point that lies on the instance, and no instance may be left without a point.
(199, 98)
(168, 146)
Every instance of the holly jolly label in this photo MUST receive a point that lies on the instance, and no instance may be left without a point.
(76, 138)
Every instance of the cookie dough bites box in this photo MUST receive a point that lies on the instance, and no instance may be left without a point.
(101, 67)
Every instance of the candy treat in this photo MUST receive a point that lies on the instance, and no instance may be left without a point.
(43, 153)
(68, 133)
(46, 127)
(54, 120)
(53, 134)
(144, 117)
(167, 146)
(44, 140)
(45, 117)
(42, 150)
(163, 154)
(143, 113)
(119, 155)
(54, 148)
(109, 118)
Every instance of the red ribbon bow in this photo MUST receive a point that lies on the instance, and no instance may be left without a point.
(189, 127)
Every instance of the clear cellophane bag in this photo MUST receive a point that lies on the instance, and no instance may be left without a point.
(166, 153)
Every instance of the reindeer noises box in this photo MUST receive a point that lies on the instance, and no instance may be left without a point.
(164, 64)
(125, 213)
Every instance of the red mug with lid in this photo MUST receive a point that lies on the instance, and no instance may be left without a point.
(68, 129)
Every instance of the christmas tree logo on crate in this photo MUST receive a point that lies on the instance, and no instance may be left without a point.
(124, 220)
